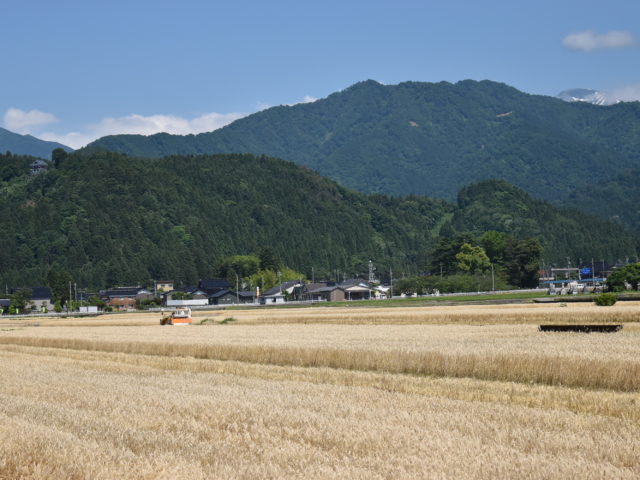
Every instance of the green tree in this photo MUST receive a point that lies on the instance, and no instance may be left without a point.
(628, 274)
(58, 279)
(494, 243)
(96, 301)
(181, 296)
(444, 255)
(268, 260)
(19, 300)
(472, 259)
(243, 265)
(58, 156)
(522, 262)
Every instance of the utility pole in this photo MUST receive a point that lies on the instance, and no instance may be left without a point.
(493, 281)
(593, 274)
(391, 282)
(237, 288)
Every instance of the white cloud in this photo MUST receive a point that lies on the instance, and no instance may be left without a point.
(21, 121)
(589, 40)
(143, 125)
(130, 124)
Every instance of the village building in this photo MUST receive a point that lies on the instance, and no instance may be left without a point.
(357, 289)
(189, 297)
(125, 298)
(164, 286)
(4, 305)
(228, 297)
(41, 298)
(273, 298)
(325, 293)
(38, 166)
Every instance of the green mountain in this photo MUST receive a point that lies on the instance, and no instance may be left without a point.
(112, 219)
(429, 139)
(27, 145)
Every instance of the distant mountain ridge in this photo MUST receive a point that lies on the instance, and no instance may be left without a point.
(28, 145)
(429, 139)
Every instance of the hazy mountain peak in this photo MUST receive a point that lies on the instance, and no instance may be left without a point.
(595, 97)
(27, 144)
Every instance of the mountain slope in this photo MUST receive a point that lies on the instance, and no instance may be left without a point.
(617, 199)
(497, 205)
(428, 139)
(27, 145)
(111, 219)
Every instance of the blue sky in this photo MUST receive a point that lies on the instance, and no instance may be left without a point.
(73, 71)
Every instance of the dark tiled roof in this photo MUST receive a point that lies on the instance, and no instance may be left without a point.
(37, 293)
(314, 286)
(283, 286)
(40, 293)
(353, 281)
(220, 293)
(330, 288)
(124, 292)
(213, 284)
(247, 294)
(5, 302)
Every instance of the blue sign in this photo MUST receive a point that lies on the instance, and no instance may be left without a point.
(585, 271)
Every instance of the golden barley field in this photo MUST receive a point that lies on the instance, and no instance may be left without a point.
(421, 392)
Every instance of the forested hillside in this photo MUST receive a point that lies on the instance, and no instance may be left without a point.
(617, 199)
(497, 205)
(27, 145)
(111, 219)
(432, 139)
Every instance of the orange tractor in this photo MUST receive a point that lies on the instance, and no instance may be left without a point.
(181, 316)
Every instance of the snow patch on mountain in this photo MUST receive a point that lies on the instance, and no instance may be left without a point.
(590, 96)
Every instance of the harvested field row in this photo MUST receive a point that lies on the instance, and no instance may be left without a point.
(622, 312)
(502, 352)
(597, 402)
(105, 418)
